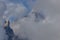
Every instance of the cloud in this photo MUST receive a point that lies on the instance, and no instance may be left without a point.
(42, 31)
(15, 10)
(3, 36)
(2, 7)
(2, 10)
(26, 27)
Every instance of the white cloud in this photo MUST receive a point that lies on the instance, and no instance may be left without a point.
(2, 8)
(40, 31)
(16, 10)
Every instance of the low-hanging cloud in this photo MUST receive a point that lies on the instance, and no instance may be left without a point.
(26, 27)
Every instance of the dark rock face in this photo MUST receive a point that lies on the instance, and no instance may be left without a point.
(39, 16)
(9, 33)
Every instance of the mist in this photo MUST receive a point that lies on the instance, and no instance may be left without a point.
(26, 27)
